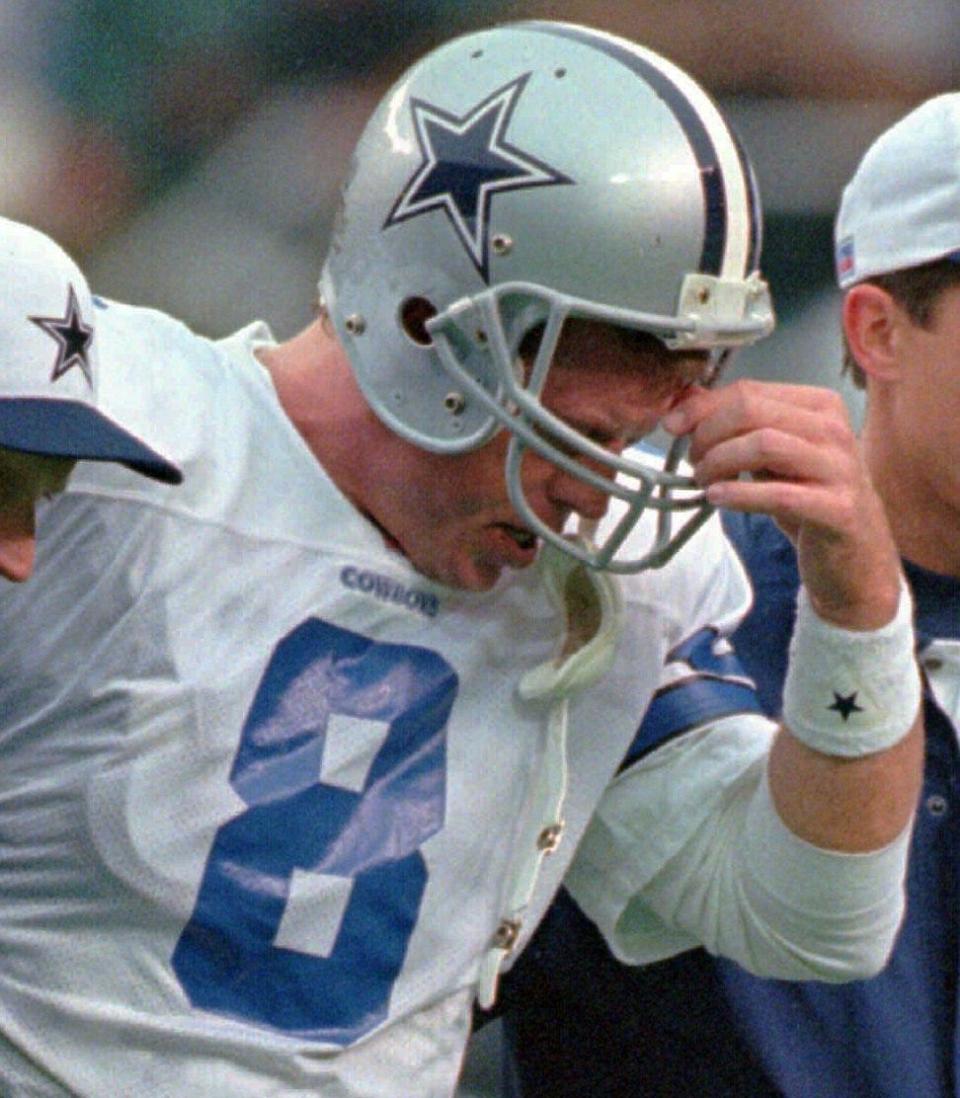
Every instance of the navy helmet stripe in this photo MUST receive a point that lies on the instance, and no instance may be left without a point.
(711, 174)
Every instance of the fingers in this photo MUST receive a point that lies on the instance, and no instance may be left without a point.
(711, 416)
(786, 437)
(770, 453)
(803, 467)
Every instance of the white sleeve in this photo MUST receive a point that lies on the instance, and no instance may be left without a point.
(724, 872)
(686, 848)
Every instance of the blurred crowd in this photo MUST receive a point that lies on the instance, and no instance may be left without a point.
(189, 152)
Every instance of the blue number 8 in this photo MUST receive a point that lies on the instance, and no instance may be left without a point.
(226, 958)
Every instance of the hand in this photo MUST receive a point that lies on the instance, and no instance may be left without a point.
(806, 470)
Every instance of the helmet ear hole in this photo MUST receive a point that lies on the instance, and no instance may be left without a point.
(414, 314)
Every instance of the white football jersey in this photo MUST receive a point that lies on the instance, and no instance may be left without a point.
(270, 801)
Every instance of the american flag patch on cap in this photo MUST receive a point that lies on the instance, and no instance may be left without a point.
(845, 258)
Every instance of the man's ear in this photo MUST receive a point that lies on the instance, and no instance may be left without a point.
(873, 324)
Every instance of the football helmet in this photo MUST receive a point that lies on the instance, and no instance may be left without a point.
(513, 178)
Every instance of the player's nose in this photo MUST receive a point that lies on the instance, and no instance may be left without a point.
(571, 493)
(18, 543)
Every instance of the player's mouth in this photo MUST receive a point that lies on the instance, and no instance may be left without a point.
(516, 545)
(526, 539)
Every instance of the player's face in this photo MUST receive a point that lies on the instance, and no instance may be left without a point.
(458, 525)
(927, 416)
(25, 479)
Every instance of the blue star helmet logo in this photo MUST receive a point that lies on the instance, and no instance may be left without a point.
(466, 161)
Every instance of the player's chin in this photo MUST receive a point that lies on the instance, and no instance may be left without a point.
(478, 575)
(486, 573)
(479, 561)
(479, 571)
(464, 571)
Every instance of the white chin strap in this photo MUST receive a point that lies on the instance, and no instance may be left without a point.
(592, 607)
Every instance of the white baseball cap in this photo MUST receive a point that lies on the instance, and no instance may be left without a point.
(48, 361)
(902, 206)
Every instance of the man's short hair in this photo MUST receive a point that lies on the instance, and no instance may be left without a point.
(916, 290)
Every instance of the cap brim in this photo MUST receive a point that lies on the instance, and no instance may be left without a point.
(67, 428)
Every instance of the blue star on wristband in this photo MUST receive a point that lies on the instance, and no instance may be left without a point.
(845, 704)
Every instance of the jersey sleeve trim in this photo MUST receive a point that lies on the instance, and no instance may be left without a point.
(687, 704)
(706, 683)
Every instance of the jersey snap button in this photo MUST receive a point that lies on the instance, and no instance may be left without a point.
(506, 934)
(549, 838)
(936, 804)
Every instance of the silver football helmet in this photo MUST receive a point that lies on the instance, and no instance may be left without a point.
(509, 180)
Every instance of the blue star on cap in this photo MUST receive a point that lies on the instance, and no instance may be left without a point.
(466, 161)
(72, 336)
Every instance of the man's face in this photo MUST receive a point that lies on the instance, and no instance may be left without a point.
(927, 419)
(456, 522)
(24, 479)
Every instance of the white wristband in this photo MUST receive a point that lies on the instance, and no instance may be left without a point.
(851, 693)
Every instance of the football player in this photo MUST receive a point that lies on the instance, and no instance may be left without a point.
(694, 1025)
(295, 756)
(49, 407)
